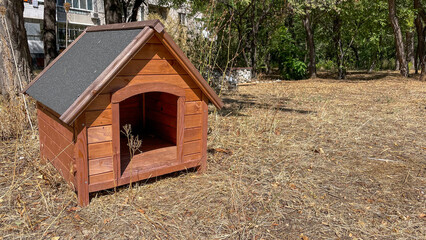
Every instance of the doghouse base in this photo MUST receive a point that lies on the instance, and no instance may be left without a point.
(154, 172)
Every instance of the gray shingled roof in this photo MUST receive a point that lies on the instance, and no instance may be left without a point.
(78, 67)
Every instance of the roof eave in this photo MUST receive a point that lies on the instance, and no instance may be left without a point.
(154, 24)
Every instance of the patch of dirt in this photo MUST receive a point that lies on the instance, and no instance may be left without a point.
(311, 159)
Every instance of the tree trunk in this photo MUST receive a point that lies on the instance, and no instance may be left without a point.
(399, 43)
(357, 61)
(49, 31)
(397, 64)
(268, 63)
(372, 66)
(409, 36)
(253, 47)
(113, 11)
(253, 56)
(135, 9)
(420, 41)
(416, 62)
(15, 68)
(341, 74)
(312, 70)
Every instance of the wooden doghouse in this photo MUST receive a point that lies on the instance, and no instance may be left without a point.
(113, 75)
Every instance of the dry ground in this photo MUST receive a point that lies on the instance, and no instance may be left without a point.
(317, 159)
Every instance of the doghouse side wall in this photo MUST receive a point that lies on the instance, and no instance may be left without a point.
(56, 143)
(152, 64)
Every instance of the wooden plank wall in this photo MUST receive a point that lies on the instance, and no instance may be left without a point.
(161, 112)
(99, 137)
(56, 143)
(152, 64)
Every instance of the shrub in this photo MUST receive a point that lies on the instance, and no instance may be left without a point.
(325, 65)
(286, 54)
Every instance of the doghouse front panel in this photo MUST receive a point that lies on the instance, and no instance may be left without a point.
(154, 63)
(99, 138)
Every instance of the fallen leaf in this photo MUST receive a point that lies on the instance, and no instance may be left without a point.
(223, 150)
(141, 211)
(77, 217)
(73, 209)
(55, 238)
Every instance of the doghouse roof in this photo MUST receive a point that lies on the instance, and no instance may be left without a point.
(70, 82)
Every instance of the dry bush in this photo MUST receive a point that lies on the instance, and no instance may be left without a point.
(178, 32)
(13, 118)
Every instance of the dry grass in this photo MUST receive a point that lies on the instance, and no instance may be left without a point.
(324, 158)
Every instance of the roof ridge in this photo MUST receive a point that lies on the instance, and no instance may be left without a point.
(154, 24)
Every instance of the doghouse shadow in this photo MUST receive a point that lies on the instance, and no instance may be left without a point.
(234, 106)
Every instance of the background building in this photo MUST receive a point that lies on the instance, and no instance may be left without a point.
(83, 13)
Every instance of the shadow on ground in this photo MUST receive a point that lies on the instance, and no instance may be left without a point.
(233, 106)
(354, 76)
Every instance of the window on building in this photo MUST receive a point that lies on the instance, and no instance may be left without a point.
(83, 4)
(182, 18)
(33, 30)
(73, 32)
(77, 4)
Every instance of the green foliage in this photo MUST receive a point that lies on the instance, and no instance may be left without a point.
(286, 55)
(366, 38)
(326, 65)
(294, 69)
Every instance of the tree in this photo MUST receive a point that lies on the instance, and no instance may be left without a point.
(113, 11)
(135, 8)
(399, 44)
(340, 53)
(312, 69)
(420, 18)
(49, 31)
(305, 10)
(15, 68)
(117, 11)
(260, 12)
